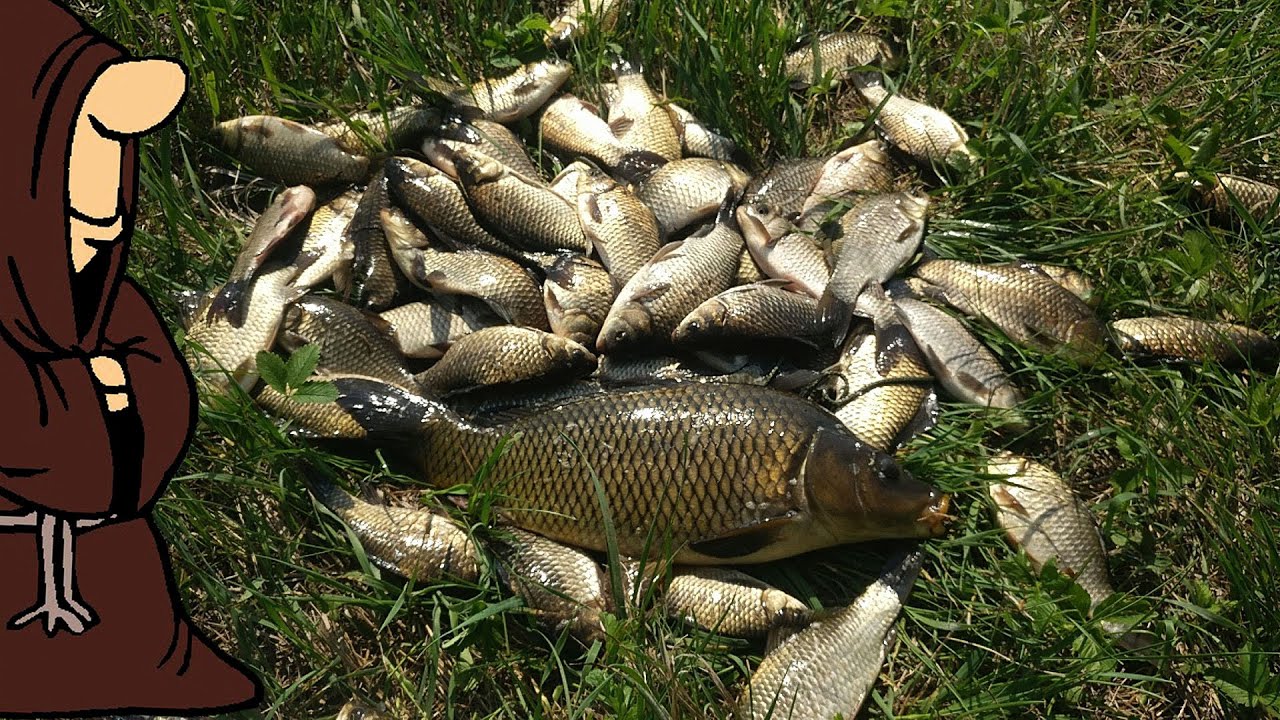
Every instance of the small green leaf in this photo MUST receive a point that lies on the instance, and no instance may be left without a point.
(302, 363)
(271, 369)
(315, 391)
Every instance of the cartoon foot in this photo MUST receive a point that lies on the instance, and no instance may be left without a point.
(76, 617)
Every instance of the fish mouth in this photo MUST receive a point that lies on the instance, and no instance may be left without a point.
(934, 519)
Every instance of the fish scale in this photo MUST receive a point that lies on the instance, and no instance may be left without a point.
(513, 207)
(750, 456)
(1027, 306)
(684, 192)
(1183, 338)
(674, 282)
(290, 152)
(837, 54)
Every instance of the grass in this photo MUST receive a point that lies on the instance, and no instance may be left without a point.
(1081, 114)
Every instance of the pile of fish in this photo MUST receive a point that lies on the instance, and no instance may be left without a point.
(707, 364)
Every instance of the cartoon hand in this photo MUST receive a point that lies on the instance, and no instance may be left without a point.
(110, 373)
(127, 99)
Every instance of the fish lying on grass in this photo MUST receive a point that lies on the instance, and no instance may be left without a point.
(784, 477)
(1043, 518)
(836, 55)
(289, 152)
(1183, 338)
(926, 133)
(1027, 306)
(828, 668)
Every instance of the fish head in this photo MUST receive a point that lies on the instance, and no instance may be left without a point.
(400, 231)
(625, 327)
(702, 322)
(232, 134)
(864, 494)
(567, 353)
(913, 206)
(761, 225)
(474, 167)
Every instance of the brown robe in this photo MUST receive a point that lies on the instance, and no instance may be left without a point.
(60, 450)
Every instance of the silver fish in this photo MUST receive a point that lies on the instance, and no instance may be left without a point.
(425, 329)
(836, 55)
(1028, 306)
(783, 252)
(686, 192)
(511, 97)
(289, 152)
(926, 133)
(219, 352)
(503, 285)
(964, 366)
(675, 281)
(638, 117)
(526, 213)
(828, 668)
(698, 139)
(578, 293)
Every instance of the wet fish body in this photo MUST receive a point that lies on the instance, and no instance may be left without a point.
(562, 585)
(924, 132)
(784, 187)
(1027, 306)
(789, 255)
(1075, 282)
(1184, 338)
(289, 152)
(638, 116)
(369, 133)
(569, 23)
(1257, 198)
(760, 311)
(1042, 517)
(881, 406)
(528, 214)
(578, 293)
(373, 282)
(216, 344)
(349, 340)
(621, 228)
(412, 543)
(699, 140)
(828, 668)
(837, 55)
(276, 223)
(727, 474)
(731, 602)
(326, 248)
(572, 126)
(438, 203)
(426, 329)
(514, 96)
(964, 366)
(860, 169)
(492, 139)
(880, 234)
(675, 281)
(505, 354)
(688, 191)
(503, 285)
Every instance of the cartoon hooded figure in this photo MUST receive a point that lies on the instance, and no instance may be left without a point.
(98, 407)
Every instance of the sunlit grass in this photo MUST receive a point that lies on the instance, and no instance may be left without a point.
(1080, 116)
